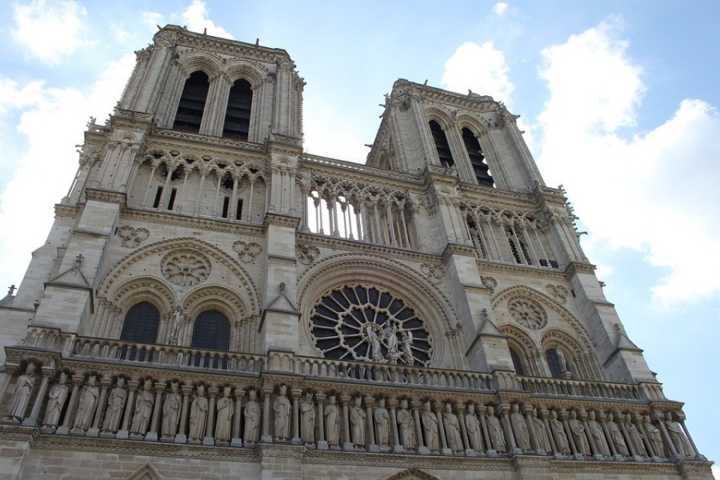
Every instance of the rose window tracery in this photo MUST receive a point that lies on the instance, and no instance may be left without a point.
(527, 313)
(185, 268)
(368, 324)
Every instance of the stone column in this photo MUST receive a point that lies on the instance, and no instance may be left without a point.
(42, 391)
(507, 428)
(209, 439)
(181, 436)
(64, 429)
(132, 387)
(422, 449)
(441, 429)
(347, 441)
(236, 433)
(321, 444)
(152, 435)
(370, 427)
(105, 382)
(392, 404)
(266, 434)
(296, 394)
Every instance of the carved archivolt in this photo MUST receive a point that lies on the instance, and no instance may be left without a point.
(412, 474)
(526, 347)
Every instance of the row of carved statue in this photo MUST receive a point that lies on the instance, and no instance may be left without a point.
(86, 404)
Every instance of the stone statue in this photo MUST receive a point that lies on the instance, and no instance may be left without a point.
(391, 341)
(143, 409)
(115, 406)
(522, 435)
(636, 437)
(307, 418)
(56, 401)
(558, 432)
(677, 435)
(655, 437)
(541, 434)
(495, 431)
(430, 427)
(357, 422)
(407, 354)
(382, 424)
(578, 433)
(176, 325)
(198, 415)
(86, 405)
(407, 426)
(281, 408)
(452, 429)
(23, 391)
(332, 427)
(223, 422)
(171, 412)
(616, 436)
(372, 338)
(598, 435)
(252, 418)
(474, 430)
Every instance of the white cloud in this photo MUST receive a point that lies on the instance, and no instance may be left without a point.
(653, 192)
(480, 68)
(196, 16)
(153, 19)
(716, 472)
(49, 30)
(330, 133)
(51, 124)
(500, 8)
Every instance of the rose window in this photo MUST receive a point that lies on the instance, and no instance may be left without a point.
(527, 313)
(185, 268)
(361, 323)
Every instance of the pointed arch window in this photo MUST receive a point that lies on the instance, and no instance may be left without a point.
(558, 363)
(141, 323)
(517, 362)
(192, 103)
(211, 331)
(441, 144)
(477, 158)
(237, 115)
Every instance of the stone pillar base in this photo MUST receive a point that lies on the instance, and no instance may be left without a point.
(373, 448)
(266, 439)
(398, 449)
(446, 451)
(348, 446)
(93, 432)
(236, 442)
(209, 441)
(122, 434)
(322, 445)
(151, 436)
(469, 452)
(77, 431)
(424, 451)
(180, 438)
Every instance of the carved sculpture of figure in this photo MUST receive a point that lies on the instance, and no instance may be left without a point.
(598, 435)
(655, 437)
(522, 435)
(56, 401)
(374, 342)
(635, 436)
(563, 363)
(474, 431)
(677, 435)
(541, 434)
(391, 341)
(407, 426)
(452, 429)
(407, 354)
(578, 433)
(223, 422)
(332, 427)
(307, 417)
(177, 321)
(23, 391)
(281, 408)
(495, 431)
(115, 406)
(616, 436)
(252, 418)
(198, 415)
(382, 424)
(558, 432)
(430, 427)
(171, 412)
(143, 409)
(86, 405)
(357, 422)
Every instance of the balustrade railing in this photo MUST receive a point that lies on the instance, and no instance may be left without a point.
(581, 388)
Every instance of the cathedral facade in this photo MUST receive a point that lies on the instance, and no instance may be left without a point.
(214, 302)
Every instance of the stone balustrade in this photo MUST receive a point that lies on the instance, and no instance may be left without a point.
(581, 388)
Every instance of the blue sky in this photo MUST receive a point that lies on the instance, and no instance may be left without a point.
(618, 99)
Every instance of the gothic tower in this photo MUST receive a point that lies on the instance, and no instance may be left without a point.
(214, 301)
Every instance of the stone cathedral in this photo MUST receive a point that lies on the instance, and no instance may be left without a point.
(213, 302)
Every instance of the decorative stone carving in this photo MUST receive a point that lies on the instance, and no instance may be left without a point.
(452, 429)
(171, 412)
(527, 313)
(636, 438)
(23, 391)
(474, 429)
(434, 272)
(307, 417)
(185, 268)
(558, 431)
(86, 405)
(281, 409)
(655, 437)
(357, 422)
(382, 424)
(407, 426)
(495, 431)
(143, 409)
(430, 427)
(578, 432)
(247, 251)
(541, 433)
(558, 291)
(115, 406)
(490, 283)
(223, 422)
(677, 435)
(332, 422)
(132, 237)
(520, 427)
(306, 253)
(252, 418)
(599, 436)
(56, 402)
(198, 416)
(616, 436)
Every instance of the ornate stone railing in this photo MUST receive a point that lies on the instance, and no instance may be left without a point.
(581, 388)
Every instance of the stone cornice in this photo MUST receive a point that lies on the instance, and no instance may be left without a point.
(187, 221)
(489, 266)
(280, 219)
(205, 142)
(344, 244)
(130, 119)
(65, 210)
(108, 196)
(360, 172)
(475, 102)
(574, 268)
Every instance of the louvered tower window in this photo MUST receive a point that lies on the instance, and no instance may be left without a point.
(211, 331)
(441, 143)
(192, 103)
(477, 159)
(237, 115)
(141, 323)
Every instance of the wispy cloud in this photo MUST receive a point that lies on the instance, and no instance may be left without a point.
(197, 18)
(500, 8)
